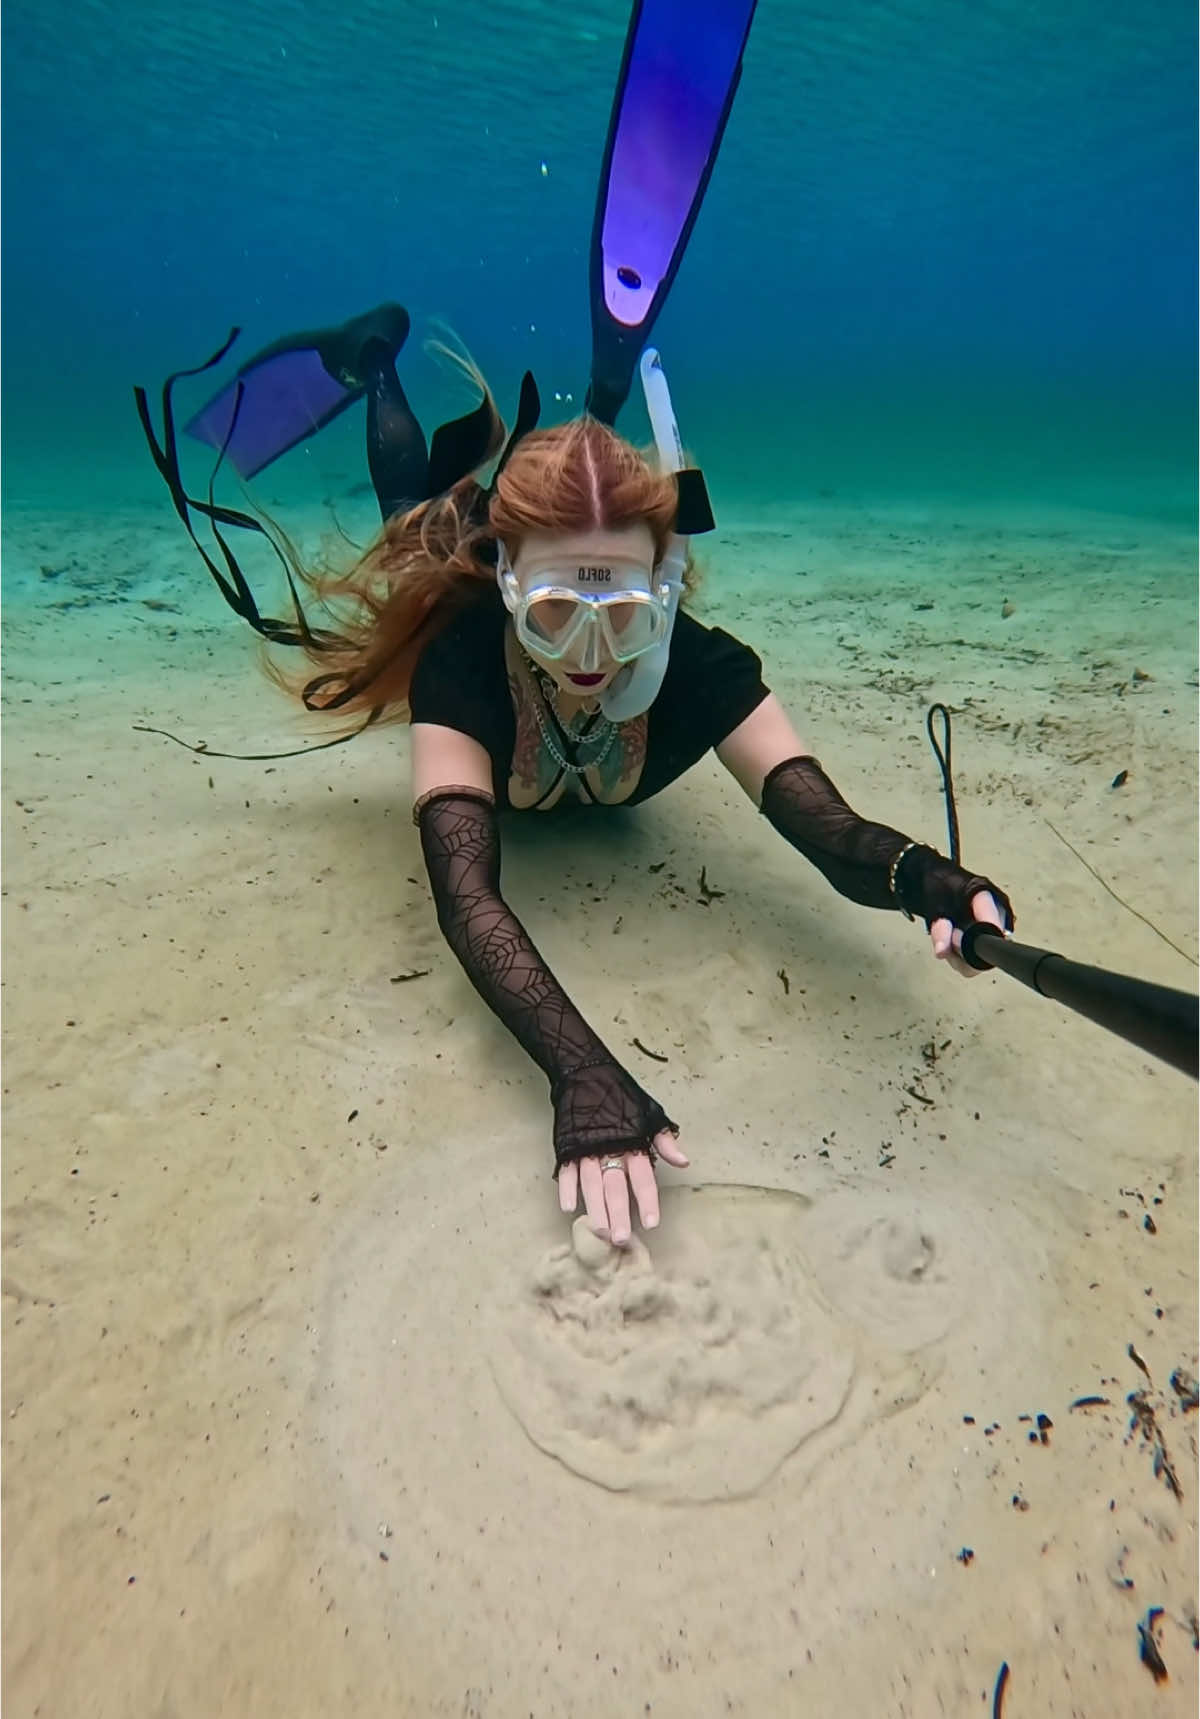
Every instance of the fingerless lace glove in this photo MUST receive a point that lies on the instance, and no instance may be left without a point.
(869, 863)
(598, 1107)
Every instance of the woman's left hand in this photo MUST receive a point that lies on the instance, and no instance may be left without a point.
(947, 941)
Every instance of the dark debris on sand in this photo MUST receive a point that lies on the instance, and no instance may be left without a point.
(1151, 1658)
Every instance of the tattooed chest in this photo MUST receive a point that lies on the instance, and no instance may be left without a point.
(608, 761)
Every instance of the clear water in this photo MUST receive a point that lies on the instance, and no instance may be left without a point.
(270, 1215)
(948, 251)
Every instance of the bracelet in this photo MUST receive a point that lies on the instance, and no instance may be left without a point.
(892, 871)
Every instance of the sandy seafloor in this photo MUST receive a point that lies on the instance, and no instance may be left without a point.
(310, 1409)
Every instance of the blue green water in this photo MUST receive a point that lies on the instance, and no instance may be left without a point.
(947, 251)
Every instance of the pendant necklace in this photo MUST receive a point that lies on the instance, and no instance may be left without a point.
(606, 733)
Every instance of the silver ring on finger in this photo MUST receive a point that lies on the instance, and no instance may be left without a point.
(612, 1164)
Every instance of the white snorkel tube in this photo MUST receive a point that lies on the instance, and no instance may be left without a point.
(636, 687)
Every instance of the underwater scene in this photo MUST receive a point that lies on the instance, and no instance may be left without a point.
(599, 858)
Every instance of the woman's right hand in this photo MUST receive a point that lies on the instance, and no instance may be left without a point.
(602, 1115)
(606, 1191)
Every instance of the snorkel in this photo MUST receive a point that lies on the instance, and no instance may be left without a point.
(637, 685)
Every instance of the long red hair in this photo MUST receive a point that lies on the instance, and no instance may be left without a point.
(428, 564)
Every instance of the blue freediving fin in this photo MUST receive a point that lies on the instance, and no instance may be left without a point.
(301, 382)
(294, 387)
(678, 78)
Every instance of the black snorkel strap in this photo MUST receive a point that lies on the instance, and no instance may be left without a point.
(942, 754)
(203, 750)
(232, 583)
(693, 512)
(457, 449)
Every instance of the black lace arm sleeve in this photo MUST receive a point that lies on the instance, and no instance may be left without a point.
(598, 1107)
(869, 863)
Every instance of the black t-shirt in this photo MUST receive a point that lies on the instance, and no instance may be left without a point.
(712, 683)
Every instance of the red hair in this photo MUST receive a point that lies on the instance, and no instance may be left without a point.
(431, 562)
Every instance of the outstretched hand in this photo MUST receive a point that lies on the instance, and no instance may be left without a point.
(947, 942)
(606, 1192)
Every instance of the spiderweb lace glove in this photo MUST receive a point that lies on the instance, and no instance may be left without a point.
(869, 863)
(598, 1107)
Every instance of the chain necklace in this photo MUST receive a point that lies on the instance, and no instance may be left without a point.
(606, 732)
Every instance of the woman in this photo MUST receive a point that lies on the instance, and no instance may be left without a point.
(502, 621)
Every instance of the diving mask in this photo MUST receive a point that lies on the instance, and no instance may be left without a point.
(590, 613)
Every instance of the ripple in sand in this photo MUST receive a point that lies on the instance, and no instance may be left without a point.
(940, 1272)
(691, 1374)
(758, 1331)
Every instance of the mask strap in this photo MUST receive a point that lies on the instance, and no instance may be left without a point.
(506, 578)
